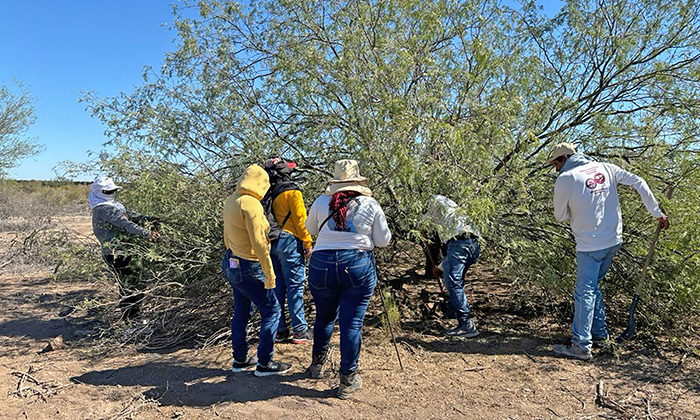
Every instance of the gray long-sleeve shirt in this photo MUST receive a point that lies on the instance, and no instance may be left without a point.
(108, 221)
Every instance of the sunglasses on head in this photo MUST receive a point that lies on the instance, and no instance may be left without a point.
(108, 192)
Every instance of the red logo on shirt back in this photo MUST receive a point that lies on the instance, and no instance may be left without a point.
(597, 179)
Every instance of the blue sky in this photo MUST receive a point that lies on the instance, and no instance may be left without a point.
(61, 48)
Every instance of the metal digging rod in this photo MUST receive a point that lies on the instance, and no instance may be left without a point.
(627, 334)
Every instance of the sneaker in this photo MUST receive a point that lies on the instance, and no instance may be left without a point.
(349, 384)
(303, 337)
(318, 368)
(466, 330)
(573, 351)
(282, 336)
(604, 342)
(244, 366)
(272, 368)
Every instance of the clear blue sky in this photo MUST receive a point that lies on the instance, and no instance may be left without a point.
(60, 48)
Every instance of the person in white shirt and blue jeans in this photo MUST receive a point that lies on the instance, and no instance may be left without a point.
(348, 223)
(585, 194)
(461, 238)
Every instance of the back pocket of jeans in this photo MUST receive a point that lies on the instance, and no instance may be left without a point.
(234, 275)
(361, 274)
(318, 277)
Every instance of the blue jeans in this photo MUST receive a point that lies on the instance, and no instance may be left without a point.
(589, 308)
(461, 254)
(288, 261)
(248, 285)
(341, 283)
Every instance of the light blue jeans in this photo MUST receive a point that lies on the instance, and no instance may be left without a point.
(589, 308)
(287, 254)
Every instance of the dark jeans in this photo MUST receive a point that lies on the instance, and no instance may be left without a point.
(287, 255)
(341, 283)
(248, 286)
(130, 300)
(461, 254)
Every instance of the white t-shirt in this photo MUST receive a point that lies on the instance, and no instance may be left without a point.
(587, 196)
(367, 226)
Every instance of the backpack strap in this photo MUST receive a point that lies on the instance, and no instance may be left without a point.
(289, 213)
(336, 212)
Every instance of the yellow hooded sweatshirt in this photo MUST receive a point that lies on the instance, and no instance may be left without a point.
(245, 224)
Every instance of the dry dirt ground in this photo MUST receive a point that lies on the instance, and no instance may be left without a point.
(506, 373)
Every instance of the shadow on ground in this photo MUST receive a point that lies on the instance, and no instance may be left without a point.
(633, 361)
(179, 385)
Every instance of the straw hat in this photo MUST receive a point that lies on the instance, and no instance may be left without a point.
(561, 149)
(346, 177)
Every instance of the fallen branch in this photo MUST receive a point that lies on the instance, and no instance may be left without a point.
(43, 389)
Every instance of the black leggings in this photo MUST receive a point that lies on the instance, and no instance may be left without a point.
(126, 278)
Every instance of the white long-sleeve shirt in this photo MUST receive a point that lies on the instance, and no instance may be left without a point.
(587, 196)
(448, 218)
(366, 222)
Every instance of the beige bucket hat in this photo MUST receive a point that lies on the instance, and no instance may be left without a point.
(561, 149)
(346, 177)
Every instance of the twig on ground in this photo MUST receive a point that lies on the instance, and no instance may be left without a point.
(20, 384)
(553, 412)
(583, 404)
(459, 411)
(647, 401)
(44, 389)
(531, 357)
(476, 368)
(606, 402)
(129, 410)
(408, 347)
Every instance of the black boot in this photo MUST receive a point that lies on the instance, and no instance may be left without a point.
(318, 368)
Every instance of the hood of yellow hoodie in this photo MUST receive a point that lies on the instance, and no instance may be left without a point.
(254, 181)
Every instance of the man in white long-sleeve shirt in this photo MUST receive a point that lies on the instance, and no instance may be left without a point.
(585, 193)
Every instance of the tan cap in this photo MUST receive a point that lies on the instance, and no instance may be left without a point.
(561, 149)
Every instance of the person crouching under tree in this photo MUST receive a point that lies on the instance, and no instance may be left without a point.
(461, 238)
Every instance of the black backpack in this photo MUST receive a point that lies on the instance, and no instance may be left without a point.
(279, 183)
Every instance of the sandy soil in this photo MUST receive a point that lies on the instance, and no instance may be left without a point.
(506, 373)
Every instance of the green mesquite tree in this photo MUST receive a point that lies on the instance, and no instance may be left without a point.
(16, 115)
(462, 98)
